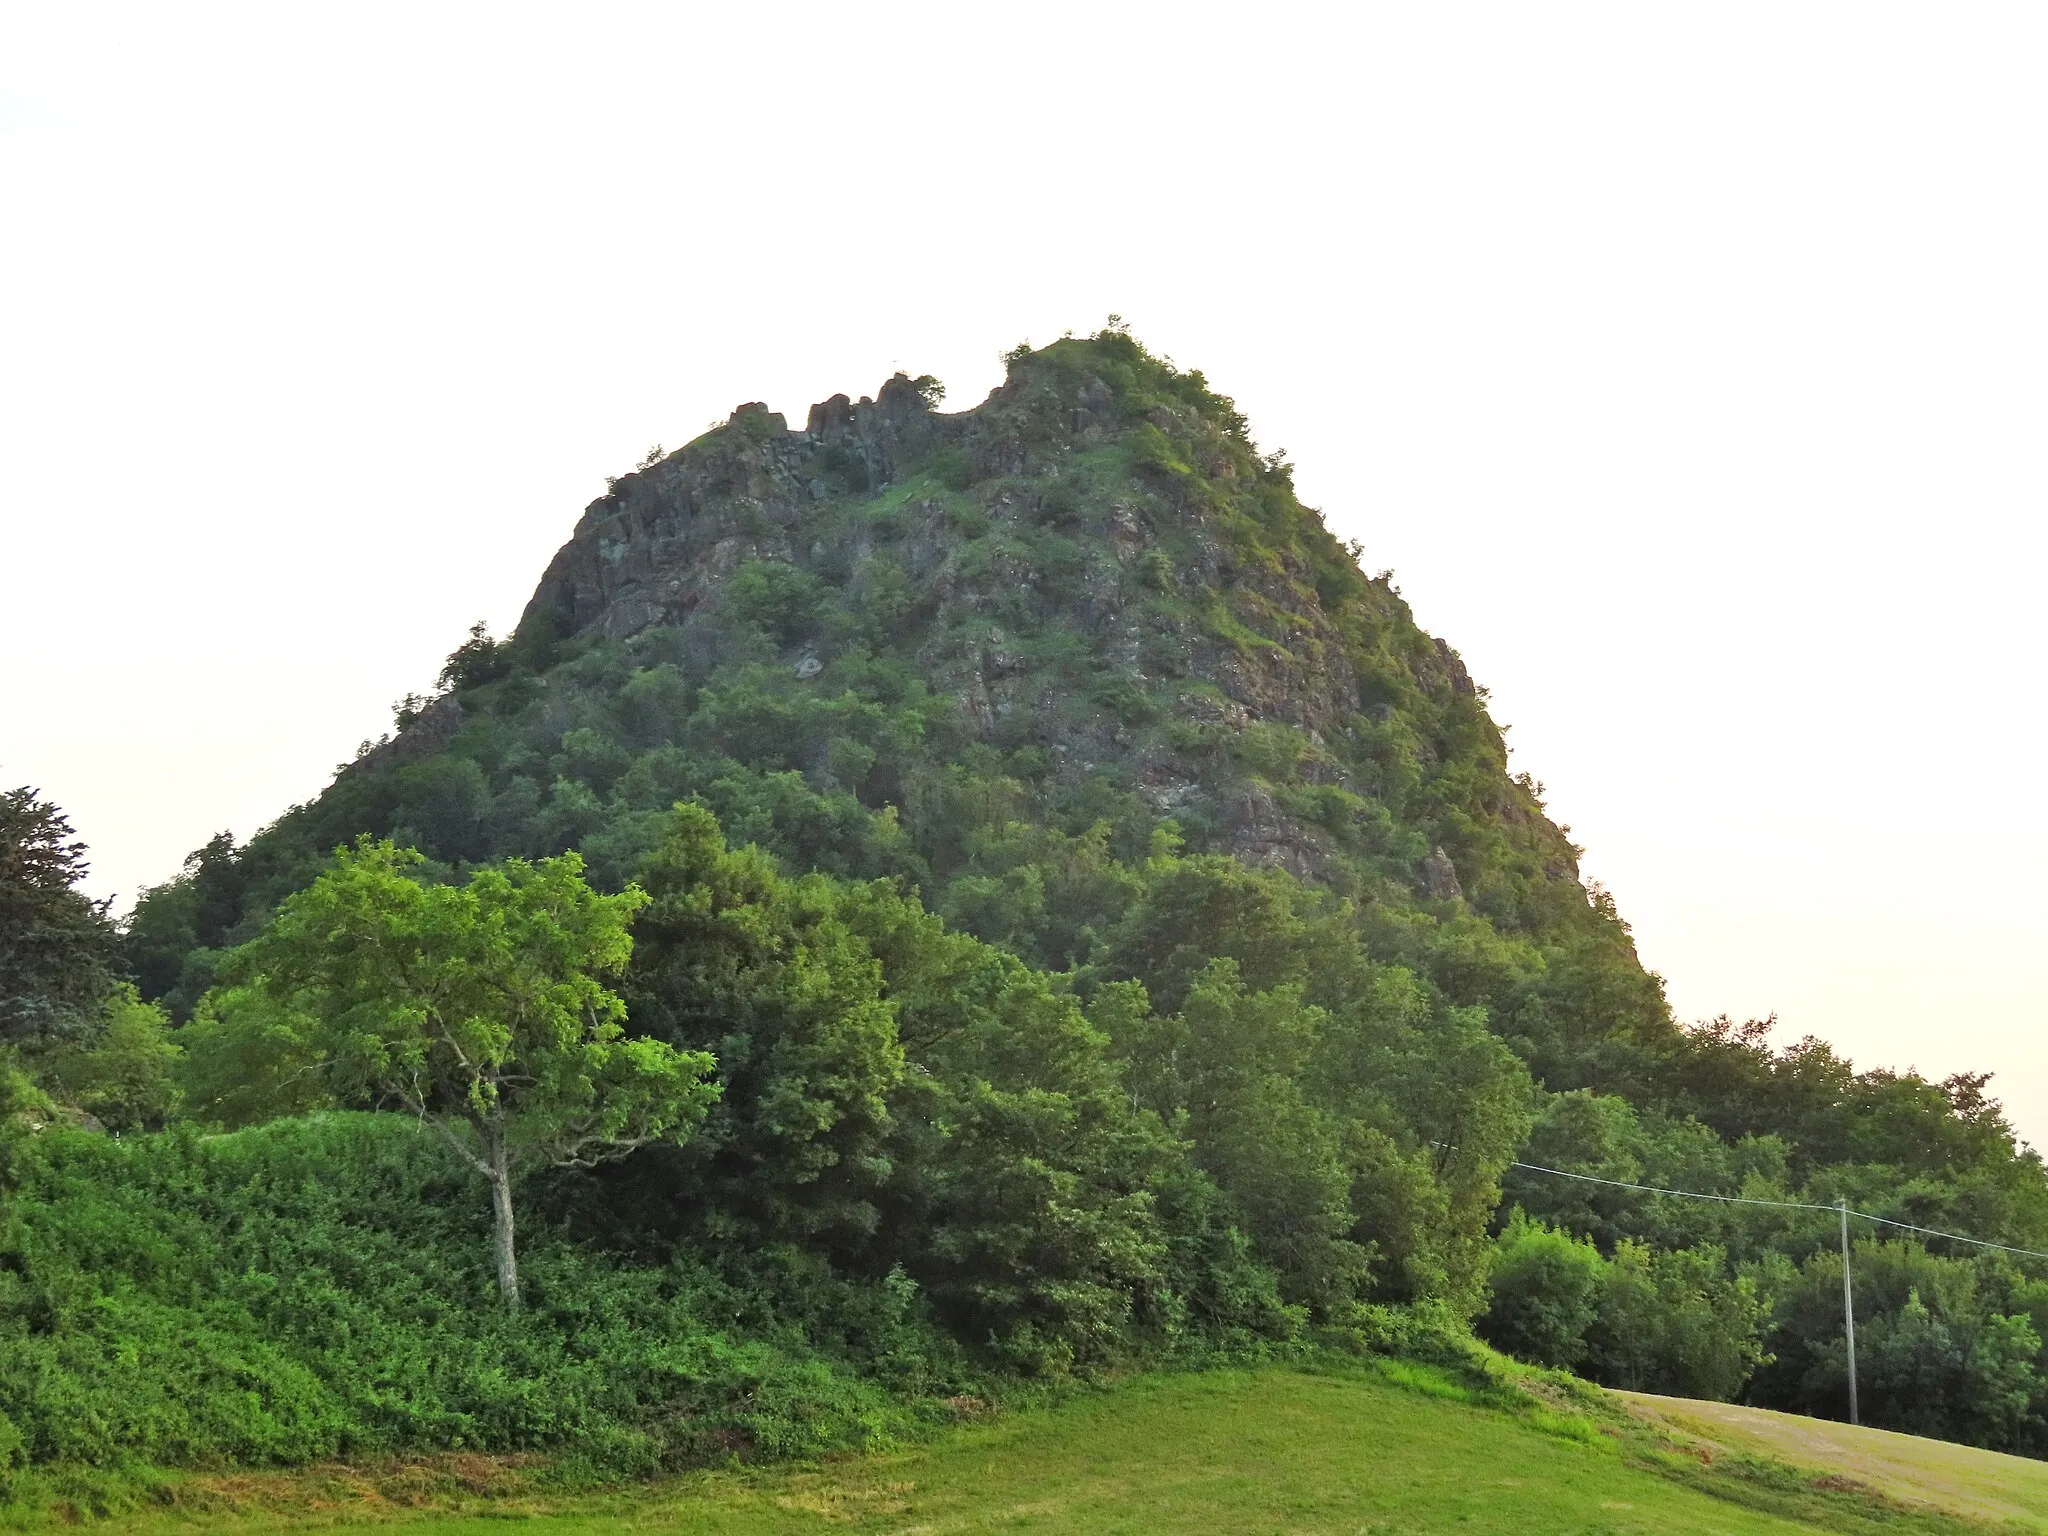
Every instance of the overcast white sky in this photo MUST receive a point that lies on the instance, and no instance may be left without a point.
(1686, 364)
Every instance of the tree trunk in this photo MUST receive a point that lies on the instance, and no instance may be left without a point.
(502, 1252)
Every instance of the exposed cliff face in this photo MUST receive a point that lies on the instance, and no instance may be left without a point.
(1096, 564)
(664, 538)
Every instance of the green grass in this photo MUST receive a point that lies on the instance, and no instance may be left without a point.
(1909, 1468)
(1397, 1449)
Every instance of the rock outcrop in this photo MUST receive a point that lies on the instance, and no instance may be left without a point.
(1094, 566)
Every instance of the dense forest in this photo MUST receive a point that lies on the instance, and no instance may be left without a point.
(923, 903)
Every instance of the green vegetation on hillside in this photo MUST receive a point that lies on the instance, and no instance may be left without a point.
(1402, 1449)
(322, 1286)
(1112, 935)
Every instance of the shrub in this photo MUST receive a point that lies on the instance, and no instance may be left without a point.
(778, 598)
(952, 469)
(1675, 1321)
(478, 660)
(1543, 1286)
(127, 1078)
(318, 1287)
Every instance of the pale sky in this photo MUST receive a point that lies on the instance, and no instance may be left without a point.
(1686, 365)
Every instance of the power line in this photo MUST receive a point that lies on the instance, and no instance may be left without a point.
(1782, 1205)
(1840, 1208)
(1685, 1194)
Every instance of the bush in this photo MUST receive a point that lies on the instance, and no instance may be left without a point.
(952, 469)
(478, 660)
(1543, 1289)
(779, 598)
(318, 1287)
(127, 1079)
(1675, 1322)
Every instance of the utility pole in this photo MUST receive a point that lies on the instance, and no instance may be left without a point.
(1848, 1310)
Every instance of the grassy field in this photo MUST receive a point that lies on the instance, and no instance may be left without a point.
(1392, 1450)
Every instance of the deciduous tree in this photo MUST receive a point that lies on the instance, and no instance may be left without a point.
(480, 1008)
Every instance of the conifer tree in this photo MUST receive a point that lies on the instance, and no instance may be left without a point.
(57, 947)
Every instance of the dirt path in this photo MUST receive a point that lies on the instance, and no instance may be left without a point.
(1981, 1485)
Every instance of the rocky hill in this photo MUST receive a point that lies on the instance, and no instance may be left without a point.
(1102, 572)
(977, 649)
(1143, 948)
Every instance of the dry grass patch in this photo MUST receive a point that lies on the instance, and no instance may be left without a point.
(1958, 1480)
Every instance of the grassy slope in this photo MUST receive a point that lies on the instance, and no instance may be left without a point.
(1960, 1478)
(1227, 1451)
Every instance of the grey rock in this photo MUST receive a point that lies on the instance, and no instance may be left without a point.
(1440, 877)
(431, 730)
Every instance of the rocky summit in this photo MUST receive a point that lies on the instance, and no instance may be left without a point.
(1104, 572)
